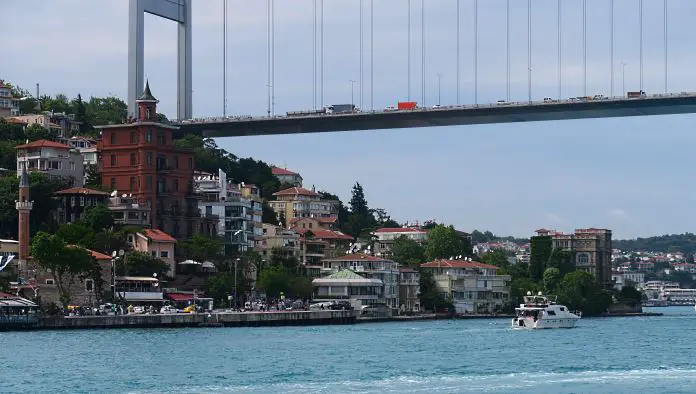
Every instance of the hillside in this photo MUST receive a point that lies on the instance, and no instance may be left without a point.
(664, 243)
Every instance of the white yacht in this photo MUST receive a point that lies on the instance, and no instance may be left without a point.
(541, 312)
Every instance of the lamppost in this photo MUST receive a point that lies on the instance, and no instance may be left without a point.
(623, 77)
(352, 101)
(439, 91)
(236, 299)
(115, 255)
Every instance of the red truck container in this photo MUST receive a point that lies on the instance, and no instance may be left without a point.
(635, 94)
(406, 105)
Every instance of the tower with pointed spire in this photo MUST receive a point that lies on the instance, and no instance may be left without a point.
(24, 206)
(147, 105)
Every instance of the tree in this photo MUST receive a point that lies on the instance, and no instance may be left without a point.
(75, 234)
(579, 290)
(561, 260)
(105, 111)
(360, 221)
(93, 177)
(540, 251)
(201, 248)
(407, 252)
(98, 218)
(358, 203)
(497, 257)
(430, 296)
(268, 215)
(282, 221)
(64, 262)
(518, 289)
(275, 280)
(142, 264)
(444, 242)
(384, 220)
(37, 132)
(629, 295)
(552, 277)
(80, 111)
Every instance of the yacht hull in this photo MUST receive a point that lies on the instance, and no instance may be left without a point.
(530, 324)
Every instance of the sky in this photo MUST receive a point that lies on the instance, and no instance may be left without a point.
(631, 175)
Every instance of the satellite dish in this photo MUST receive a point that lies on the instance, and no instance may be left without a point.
(114, 193)
(529, 293)
(124, 195)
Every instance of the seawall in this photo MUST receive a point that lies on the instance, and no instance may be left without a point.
(246, 319)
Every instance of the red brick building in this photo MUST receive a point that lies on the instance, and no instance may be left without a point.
(139, 159)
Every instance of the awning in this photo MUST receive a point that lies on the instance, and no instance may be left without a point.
(180, 296)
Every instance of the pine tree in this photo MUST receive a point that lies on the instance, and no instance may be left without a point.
(358, 203)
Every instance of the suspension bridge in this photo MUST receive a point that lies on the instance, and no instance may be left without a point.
(322, 117)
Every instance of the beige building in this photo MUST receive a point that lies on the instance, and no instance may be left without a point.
(278, 238)
(385, 238)
(471, 286)
(298, 202)
(9, 105)
(318, 242)
(83, 292)
(591, 249)
(409, 290)
(159, 244)
(253, 194)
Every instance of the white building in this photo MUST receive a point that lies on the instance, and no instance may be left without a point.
(385, 238)
(86, 146)
(52, 158)
(370, 267)
(621, 279)
(9, 105)
(473, 287)
(348, 285)
(286, 176)
(224, 199)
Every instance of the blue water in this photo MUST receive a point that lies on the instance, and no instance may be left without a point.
(609, 355)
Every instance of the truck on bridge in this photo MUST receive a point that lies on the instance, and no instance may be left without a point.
(341, 109)
(635, 94)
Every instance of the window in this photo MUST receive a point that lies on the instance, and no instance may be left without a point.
(154, 253)
(164, 254)
(176, 185)
(133, 137)
(132, 183)
(133, 158)
(583, 258)
(113, 183)
(139, 184)
(176, 161)
(89, 285)
(72, 166)
(113, 138)
(148, 182)
(49, 282)
(148, 157)
(190, 163)
(113, 160)
(160, 138)
(148, 136)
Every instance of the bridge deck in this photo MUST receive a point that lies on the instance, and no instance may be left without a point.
(448, 116)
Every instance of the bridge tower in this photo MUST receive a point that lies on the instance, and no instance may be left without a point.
(178, 11)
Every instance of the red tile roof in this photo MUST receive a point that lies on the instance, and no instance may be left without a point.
(81, 190)
(281, 171)
(94, 253)
(43, 144)
(399, 230)
(323, 234)
(158, 235)
(296, 191)
(357, 257)
(457, 264)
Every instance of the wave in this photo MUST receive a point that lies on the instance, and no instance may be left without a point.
(660, 379)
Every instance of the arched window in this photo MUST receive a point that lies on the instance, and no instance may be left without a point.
(583, 258)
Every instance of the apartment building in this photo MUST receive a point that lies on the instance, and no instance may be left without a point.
(223, 201)
(385, 238)
(370, 267)
(409, 291)
(63, 125)
(9, 105)
(286, 176)
(280, 239)
(253, 194)
(473, 287)
(128, 211)
(51, 158)
(158, 244)
(318, 242)
(298, 202)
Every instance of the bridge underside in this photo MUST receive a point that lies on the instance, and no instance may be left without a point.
(490, 114)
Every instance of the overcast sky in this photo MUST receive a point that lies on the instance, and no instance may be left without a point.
(632, 175)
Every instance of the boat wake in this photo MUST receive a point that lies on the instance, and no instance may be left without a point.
(618, 381)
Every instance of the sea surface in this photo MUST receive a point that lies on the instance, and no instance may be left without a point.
(602, 355)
